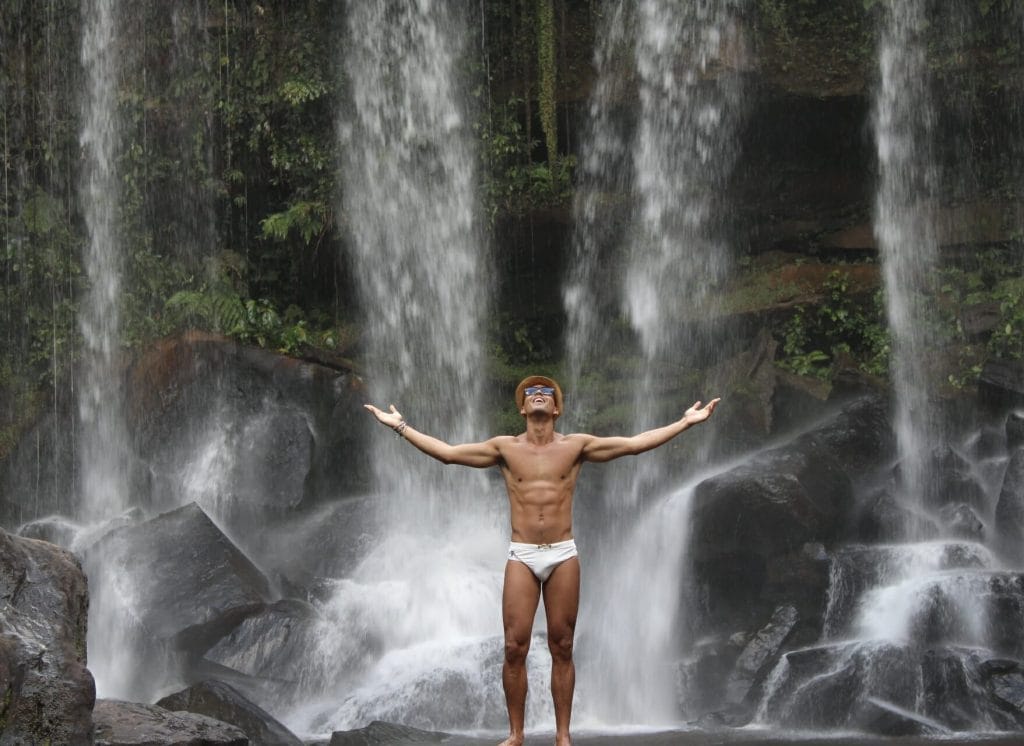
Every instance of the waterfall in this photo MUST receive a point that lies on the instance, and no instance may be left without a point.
(429, 589)
(103, 439)
(904, 121)
(650, 247)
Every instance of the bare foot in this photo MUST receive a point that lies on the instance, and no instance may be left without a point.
(512, 741)
(563, 740)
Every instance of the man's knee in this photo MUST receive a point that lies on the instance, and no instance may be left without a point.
(516, 649)
(560, 643)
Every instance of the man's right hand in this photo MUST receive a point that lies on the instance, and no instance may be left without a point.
(392, 419)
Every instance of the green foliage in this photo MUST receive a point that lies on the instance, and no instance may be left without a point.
(1007, 340)
(513, 183)
(308, 219)
(841, 324)
(221, 305)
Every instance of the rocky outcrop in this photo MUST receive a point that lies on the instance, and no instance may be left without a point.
(294, 429)
(190, 584)
(222, 702)
(748, 520)
(743, 684)
(46, 692)
(297, 429)
(269, 644)
(121, 723)
(378, 733)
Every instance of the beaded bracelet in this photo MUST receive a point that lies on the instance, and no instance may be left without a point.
(400, 428)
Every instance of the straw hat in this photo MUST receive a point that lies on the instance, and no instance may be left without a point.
(538, 381)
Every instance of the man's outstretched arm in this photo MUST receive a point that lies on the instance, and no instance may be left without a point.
(606, 449)
(479, 455)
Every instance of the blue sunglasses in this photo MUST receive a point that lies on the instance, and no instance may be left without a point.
(534, 390)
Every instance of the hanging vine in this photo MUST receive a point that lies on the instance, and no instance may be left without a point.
(546, 68)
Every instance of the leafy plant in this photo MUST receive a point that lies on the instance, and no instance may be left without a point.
(812, 339)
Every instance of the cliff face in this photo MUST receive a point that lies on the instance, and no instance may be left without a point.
(800, 200)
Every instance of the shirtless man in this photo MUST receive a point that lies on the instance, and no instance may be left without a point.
(540, 468)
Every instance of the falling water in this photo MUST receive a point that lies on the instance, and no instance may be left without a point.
(670, 167)
(104, 442)
(904, 226)
(429, 590)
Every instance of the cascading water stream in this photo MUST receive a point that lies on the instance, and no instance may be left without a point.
(672, 166)
(103, 441)
(904, 121)
(426, 598)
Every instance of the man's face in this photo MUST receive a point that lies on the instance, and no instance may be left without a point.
(539, 398)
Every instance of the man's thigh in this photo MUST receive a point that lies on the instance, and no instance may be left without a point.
(562, 598)
(519, 600)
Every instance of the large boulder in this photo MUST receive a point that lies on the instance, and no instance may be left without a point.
(189, 585)
(270, 644)
(294, 429)
(46, 692)
(889, 688)
(121, 723)
(748, 519)
(222, 702)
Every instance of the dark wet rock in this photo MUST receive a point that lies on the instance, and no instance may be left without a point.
(953, 481)
(859, 436)
(882, 518)
(194, 585)
(1009, 688)
(758, 656)
(795, 400)
(961, 521)
(1009, 515)
(1015, 430)
(271, 643)
(765, 509)
(1003, 602)
(46, 692)
(225, 703)
(857, 569)
(296, 429)
(1001, 386)
(747, 381)
(121, 723)
(701, 676)
(379, 733)
(886, 719)
(823, 687)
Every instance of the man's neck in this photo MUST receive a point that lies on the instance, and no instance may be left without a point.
(540, 428)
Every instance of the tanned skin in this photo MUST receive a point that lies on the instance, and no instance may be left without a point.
(540, 468)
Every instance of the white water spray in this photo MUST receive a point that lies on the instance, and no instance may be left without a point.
(428, 591)
(670, 167)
